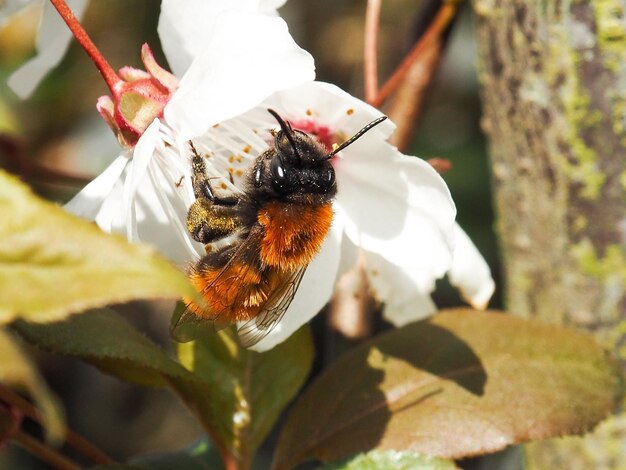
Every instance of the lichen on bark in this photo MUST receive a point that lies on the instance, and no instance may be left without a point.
(553, 77)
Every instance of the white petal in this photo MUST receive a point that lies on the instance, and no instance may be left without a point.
(187, 26)
(349, 251)
(249, 57)
(399, 211)
(270, 6)
(145, 196)
(470, 272)
(52, 43)
(409, 310)
(88, 202)
(315, 291)
(397, 208)
(153, 208)
(142, 156)
(404, 303)
(9, 7)
(329, 105)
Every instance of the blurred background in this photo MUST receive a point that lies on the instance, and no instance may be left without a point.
(59, 128)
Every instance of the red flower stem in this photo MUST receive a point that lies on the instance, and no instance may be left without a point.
(71, 438)
(444, 17)
(370, 53)
(107, 72)
(44, 452)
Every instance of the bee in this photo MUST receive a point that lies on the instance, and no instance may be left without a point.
(278, 223)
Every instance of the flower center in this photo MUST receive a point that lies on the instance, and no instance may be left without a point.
(322, 134)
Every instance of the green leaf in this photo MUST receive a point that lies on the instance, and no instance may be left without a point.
(109, 342)
(461, 383)
(237, 394)
(17, 371)
(53, 264)
(392, 460)
(248, 390)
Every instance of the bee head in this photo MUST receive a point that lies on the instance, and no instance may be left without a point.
(298, 168)
(298, 164)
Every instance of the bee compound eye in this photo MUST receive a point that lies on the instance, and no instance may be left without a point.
(279, 174)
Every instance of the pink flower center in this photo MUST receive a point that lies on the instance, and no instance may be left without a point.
(322, 134)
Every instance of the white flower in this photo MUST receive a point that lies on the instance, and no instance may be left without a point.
(131, 196)
(53, 40)
(395, 209)
(185, 37)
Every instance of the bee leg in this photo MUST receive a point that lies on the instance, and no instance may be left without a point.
(210, 217)
(208, 221)
(202, 186)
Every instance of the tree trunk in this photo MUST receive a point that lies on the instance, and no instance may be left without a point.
(553, 76)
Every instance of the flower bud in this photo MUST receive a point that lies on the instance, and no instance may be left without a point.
(139, 97)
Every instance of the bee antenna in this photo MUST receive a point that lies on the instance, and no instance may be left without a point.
(287, 130)
(351, 140)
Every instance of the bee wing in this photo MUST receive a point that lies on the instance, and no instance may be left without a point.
(231, 282)
(254, 330)
(186, 326)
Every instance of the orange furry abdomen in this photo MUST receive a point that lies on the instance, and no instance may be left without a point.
(236, 294)
(294, 234)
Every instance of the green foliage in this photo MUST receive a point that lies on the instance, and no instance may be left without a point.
(235, 393)
(391, 459)
(462, 383)
(16, 370)
(110, 343)
(53, 264)
(248, 390)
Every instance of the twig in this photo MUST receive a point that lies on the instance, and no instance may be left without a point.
(350, 312)
(370, 53)
(72, 439)
(407, 102)
(20, 164)
(44, 452)
(442, 20)
(107, 72)
(188, 395)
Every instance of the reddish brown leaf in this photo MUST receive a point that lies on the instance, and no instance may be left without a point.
(461, 383)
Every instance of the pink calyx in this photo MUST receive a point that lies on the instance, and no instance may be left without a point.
(139, 97)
